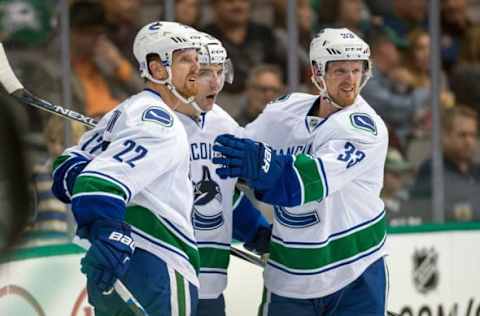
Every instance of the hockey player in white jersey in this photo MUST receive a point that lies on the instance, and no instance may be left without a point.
(218, 214)
(323, 173)
(128, 183)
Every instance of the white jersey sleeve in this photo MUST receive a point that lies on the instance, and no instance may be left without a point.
(135, 157)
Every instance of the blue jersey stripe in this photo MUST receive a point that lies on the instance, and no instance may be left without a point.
(193, 242)
(206, 243)
(382, 213)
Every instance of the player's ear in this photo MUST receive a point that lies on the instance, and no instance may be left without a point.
(157, 70)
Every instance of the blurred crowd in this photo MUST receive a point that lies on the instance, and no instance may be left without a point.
(104, 71)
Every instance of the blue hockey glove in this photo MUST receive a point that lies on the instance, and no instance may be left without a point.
(257, 163)
(261, 242)
(109, 255)
(64, 178)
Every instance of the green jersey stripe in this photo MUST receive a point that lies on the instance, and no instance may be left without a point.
(313, 185)
(214, 257)
(58, 161)
(336, 250)
(299, 177)
(92, 184)
(181, 295)
(144, 220)
(237, 197)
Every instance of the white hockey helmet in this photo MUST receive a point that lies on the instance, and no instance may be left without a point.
(162, 39)
(213, 52)
(337, 44)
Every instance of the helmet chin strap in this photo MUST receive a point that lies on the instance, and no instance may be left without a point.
(168, 83)
(324, 92)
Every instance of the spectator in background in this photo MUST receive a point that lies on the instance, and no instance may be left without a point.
(102, 77)
(305, 18)
(417, 61)
(26, 28)
(455, 25)
(390, 91)
(379, 8)
(52, 224)
(461, 174)
(395, 189)
(188, 12)
(25, 22)
(465, 76)
(122, 24)
(264, 85)
(248, 43)
(346, 13)
(406, 16)
(465, 83)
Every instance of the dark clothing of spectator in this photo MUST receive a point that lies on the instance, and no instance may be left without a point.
(394, 106)
(401, 27)
(462, 190)
(403, 211)
(51, 223)
(465, 83)
(122, 35)
(258, 47)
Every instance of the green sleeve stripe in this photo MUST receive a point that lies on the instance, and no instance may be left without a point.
(310, 178)
(92, 184)
(237, 197)
(58, 161)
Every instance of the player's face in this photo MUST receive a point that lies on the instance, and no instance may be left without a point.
(185, 71)
(210, 83)
(460, 141)
(343, 79)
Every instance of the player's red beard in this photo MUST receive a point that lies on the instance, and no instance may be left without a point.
(344, 98)
(190, 88)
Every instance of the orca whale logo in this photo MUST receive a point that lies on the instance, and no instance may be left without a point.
(207, 206)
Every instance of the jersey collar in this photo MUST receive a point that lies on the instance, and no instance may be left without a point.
(153, 91)
(312, 121)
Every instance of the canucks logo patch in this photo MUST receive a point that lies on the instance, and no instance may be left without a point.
(158, 115)
(364, 122)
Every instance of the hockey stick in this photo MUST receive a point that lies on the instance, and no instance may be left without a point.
(247, 257)
(13, 86)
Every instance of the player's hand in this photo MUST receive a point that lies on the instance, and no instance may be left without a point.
(255, 162)
(261, 242)
(109, 256)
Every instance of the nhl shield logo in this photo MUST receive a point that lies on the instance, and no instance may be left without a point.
(425, 270)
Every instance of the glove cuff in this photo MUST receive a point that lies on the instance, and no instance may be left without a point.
(100, 226)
